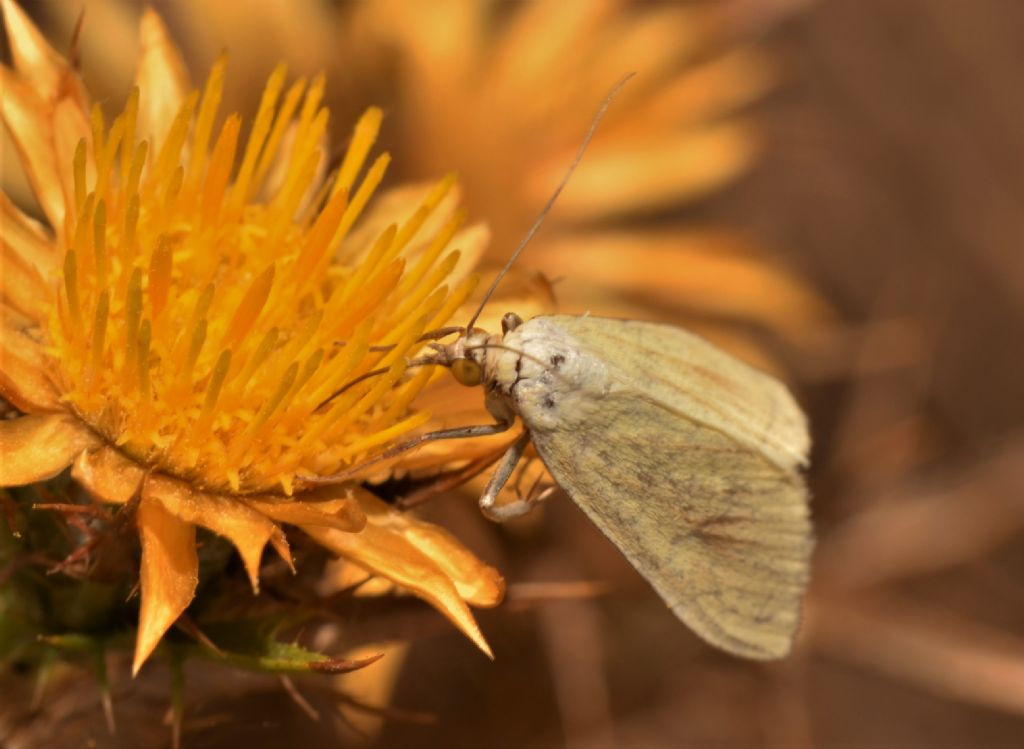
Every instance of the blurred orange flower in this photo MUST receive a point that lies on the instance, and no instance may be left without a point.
(502, 92)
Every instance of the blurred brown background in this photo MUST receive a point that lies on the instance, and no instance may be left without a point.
(891, 180)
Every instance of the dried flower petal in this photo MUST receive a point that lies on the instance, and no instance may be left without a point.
(419, 557)
(26, 237)
(168, 576)
(331, 507)
(35, 60)
(38, 447)
(23, 378)
(107, 475)
(23, 287)
(161, 77)
(24, 113)
(247, 529)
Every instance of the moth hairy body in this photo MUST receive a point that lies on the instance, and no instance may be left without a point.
(686, 458)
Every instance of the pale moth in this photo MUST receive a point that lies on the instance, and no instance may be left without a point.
(686, 458)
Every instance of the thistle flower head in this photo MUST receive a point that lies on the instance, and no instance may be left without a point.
(197, 326)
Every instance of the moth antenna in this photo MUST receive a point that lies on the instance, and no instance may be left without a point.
(433, 335)
(430, 335)
(554, 196)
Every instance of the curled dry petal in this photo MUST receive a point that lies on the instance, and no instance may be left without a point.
(477, 583)
(168, 577)
(38, 447)
(246, 528)
(421, 558)
(108, 475)
(330, 507)
(161, 77)
(23, 378)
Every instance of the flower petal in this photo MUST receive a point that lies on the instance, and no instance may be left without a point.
(22, 286)
(703, 93)
(23, 371)
(716, 273)
(27, 237)
(397, 205)
(37, 447)
(331, 507)
(26, 117)
(414, 555)
(658, 171)
(108, 475)
(35, 60)
(472, 243)
(246, 528)
(169, 574)
(478, 583)
(161, 77)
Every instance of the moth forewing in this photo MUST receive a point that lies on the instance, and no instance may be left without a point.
(673, 455)
(697, 380)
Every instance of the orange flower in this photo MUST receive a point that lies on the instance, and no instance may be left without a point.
(505, 92)
(502, 92)
(177, 332)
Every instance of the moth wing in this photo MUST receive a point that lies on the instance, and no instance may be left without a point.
(693, 378)
(721, 532)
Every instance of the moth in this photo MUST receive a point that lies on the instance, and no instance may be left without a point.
(686, 458)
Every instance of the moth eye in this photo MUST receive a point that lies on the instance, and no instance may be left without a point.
(467, 372)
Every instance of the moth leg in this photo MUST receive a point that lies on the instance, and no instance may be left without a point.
(449, 480)
(482, 430)
(539, 493)
(489, 499)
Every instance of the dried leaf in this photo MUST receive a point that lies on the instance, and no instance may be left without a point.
(252, 644)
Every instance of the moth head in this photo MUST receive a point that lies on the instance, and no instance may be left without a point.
(465, 357)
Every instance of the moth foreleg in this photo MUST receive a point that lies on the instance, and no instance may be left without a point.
(489, 499)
